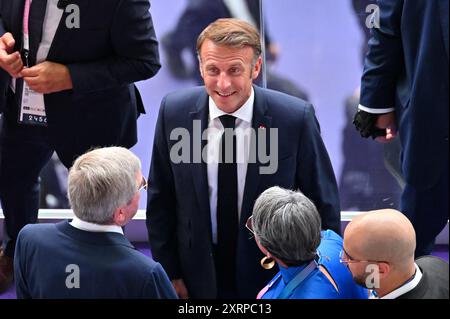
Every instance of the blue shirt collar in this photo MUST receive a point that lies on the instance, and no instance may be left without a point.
(287, 274)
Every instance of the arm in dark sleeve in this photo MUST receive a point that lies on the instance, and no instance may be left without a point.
(2, 27)
(4, 77)
(135, 54)
(315, 173)
(19, 271)
(384, 60)
(161, 203)
(158, 286)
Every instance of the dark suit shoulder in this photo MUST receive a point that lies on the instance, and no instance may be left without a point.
(281, 102)
(180, 97)
(184, 100)
(432, 263)
(144, 262)
(434, 281)
(285, 110)
(177, 105)
(36, 232)
(435, 272)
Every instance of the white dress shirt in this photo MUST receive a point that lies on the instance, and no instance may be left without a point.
(91, 227)
(52, 19)
(244, 117)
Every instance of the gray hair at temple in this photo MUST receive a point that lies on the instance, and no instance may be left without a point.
(102, 180)
(232, 33)
(287, 224)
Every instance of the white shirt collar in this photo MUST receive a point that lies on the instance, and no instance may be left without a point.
(91, 227)
(406, 287)
(244, 113)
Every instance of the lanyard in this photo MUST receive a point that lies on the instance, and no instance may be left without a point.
(298, 279)
(26, 17)
(26, 35)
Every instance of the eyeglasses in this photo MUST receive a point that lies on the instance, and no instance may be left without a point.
(249, 224)
(345, 258)
(143, 184)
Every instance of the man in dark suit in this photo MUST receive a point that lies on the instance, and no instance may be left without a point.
(379, 252)
(365, 183)
(85, 74)
(199, 201)
(405, 84)
(90, 257)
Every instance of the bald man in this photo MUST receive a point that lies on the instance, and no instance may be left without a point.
(379, 252)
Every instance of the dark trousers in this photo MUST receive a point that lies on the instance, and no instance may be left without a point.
(25, 151)
(428, 212)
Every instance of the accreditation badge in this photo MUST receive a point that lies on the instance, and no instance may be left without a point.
(32, 107)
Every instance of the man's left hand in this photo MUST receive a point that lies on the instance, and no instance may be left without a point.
(47, 77)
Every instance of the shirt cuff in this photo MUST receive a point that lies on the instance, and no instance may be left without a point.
(376, 111)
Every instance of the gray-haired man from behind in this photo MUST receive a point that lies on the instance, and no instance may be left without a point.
(89, 257)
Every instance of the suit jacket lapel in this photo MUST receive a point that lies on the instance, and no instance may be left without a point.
(63, 33)
(260, 121)
(199, 170)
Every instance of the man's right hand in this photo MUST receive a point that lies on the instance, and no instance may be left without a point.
(387, 121)
(10, 61)
(180, 288)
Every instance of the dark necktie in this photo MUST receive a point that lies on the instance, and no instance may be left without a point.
(227, 210)
(35, 25)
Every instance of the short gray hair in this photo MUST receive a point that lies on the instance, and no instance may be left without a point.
(102, 180)
(287, 224)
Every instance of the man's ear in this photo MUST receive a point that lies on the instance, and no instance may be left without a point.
(383, 269)
(257, 68)
(119, 216)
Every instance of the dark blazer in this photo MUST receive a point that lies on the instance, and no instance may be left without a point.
(178, 213)
(109, 266)
(114, 47)
(434, 282)
(407, 68)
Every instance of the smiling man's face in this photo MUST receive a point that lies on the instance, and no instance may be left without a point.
(228, 74)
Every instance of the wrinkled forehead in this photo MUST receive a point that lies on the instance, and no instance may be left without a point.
(210, 50)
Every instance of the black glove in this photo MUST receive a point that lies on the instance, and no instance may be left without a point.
(365, 124)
